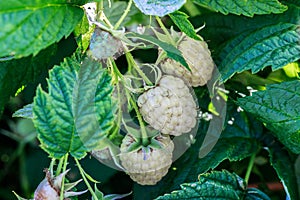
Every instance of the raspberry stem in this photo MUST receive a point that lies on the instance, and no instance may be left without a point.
(101, 15)
(249, 169)
(82, 172)
(145, 140)
(162, 26)
(65, 163)
(132, 63)
(124, 15)
(117, 74)
(59, 167)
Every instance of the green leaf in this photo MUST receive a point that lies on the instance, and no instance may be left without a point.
(211, 186)
(283, 163)
(171, 51)
(13, 73)
(83, 32)
(92, 106)
(25, 112)
(29, 26)
(278, 107)
(182, 22)
(158, 7)
(220, 28)
(247, 8)
(274, 45)
(59, 115)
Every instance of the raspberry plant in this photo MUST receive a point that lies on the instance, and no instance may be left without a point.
(192, 99)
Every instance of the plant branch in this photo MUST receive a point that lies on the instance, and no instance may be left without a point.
(82, 172)
(162, 26)
(249, 169)
(65, 163)
(145, 140)
(119, 22)
(132, 63)
(59, 166)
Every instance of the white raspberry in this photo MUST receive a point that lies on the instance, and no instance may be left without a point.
(147, 168)
(169, 107)
(198, 58)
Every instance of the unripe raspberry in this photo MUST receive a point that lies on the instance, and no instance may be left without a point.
(147, 165)
(103, 45)
(169, 107)
(50, 187)
(198, 58)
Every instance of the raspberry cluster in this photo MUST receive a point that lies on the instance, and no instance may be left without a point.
(170, 108)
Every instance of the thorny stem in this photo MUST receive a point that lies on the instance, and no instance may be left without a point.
(162, 26)
(85, 180)
(65, 163)
(249, 169)
(124, 15)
